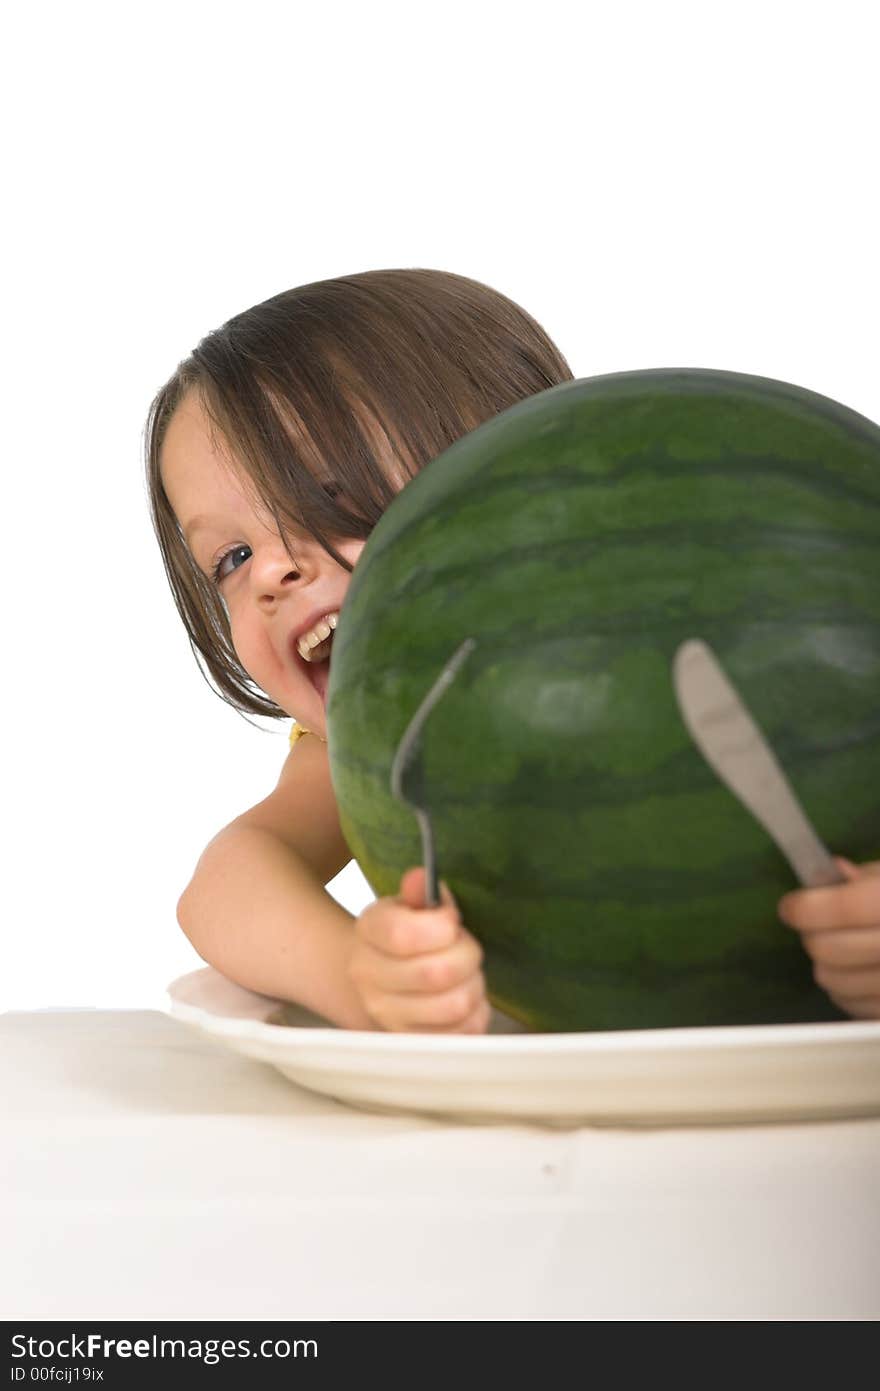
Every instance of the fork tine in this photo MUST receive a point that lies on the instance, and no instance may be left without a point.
(409, 750)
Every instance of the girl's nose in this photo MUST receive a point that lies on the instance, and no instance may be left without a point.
(274, 571)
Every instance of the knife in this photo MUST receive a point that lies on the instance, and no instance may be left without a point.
(728, 738)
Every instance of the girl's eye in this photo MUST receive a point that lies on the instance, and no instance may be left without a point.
(229, 561)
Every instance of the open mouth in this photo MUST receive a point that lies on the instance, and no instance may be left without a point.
(317, 666)
(320, 678)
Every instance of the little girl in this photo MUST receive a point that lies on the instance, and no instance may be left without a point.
(272, 452)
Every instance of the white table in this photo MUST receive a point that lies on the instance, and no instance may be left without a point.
(149, 1173)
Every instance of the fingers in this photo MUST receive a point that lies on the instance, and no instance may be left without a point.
(849, 984)
(383, 985)
(870, 867)
(847, 966)
(840, 929)
(417, 968)
(857, 992)
(463, 1010)
(401, 930)
(844, 949)
(475, 1023)
(413, 888)
(855, 904)
(431, 973)
(860, 1008)
(478, 1022)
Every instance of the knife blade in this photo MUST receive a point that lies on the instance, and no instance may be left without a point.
(731, 742)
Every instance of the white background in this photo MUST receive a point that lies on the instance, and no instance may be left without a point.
(678, 184)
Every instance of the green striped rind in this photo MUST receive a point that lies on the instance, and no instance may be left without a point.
(580, 537)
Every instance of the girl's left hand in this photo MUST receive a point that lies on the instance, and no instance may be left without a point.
(840, 930)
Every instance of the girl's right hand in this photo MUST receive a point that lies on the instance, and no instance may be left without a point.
(417, 969)
(840, 929)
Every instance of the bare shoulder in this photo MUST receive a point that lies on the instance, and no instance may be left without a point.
(301, 811)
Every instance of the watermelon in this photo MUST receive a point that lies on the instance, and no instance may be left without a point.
(579, 537)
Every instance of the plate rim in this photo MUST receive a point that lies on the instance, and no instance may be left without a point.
(670, 1040)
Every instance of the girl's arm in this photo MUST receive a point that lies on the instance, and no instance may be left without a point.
(257, 910)
(256, 907)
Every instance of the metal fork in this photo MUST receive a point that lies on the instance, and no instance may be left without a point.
(407, 759)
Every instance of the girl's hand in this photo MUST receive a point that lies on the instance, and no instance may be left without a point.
(840, 929)
(418, 969)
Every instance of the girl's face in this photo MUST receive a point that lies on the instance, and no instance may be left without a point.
(271, 600)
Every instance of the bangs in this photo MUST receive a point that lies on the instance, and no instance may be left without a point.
(310, 450)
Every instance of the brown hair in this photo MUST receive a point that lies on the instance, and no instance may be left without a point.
(348, 387)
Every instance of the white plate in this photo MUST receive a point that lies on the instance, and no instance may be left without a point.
(644, 1077)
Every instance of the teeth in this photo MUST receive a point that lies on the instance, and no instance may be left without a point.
(307, 644)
